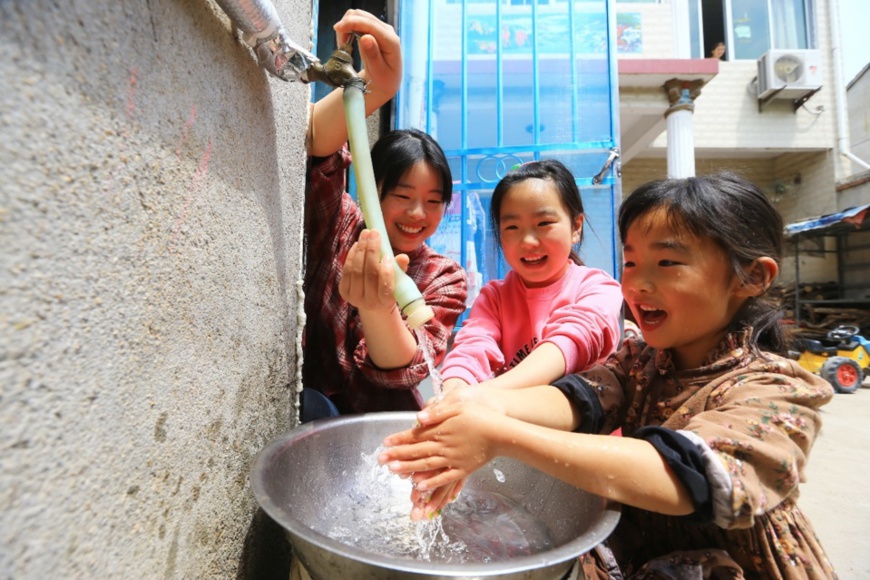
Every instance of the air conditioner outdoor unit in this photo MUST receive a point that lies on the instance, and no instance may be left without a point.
(789, 74)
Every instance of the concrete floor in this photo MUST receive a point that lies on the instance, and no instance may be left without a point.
(836, 495)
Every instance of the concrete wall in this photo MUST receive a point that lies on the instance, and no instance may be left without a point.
(151, 182)
(790, 180)
(858, 99)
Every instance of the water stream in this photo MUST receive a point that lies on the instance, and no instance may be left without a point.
(479, 527)
(429, 356)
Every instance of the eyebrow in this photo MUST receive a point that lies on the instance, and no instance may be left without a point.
(543, 212)
(668, 244)
(404, 185)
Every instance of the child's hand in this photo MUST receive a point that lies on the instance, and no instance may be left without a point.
(429, 504)
(451, 384)
(465, 393)
(452, 440)
(367, 282)
(380, 51)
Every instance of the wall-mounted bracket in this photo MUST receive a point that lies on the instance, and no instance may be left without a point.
(796, 103)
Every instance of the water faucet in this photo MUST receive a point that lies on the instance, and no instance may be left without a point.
(338, 71)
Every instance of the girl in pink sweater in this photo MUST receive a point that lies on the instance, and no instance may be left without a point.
(551, 315)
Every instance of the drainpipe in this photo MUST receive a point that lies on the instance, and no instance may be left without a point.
(840, 90)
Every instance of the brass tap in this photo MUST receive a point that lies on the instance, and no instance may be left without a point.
(338, 70)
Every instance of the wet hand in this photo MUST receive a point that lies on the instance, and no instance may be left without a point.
(461, 392)
(452, 441)
(429, 504)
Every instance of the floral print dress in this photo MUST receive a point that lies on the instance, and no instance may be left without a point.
(753, 418)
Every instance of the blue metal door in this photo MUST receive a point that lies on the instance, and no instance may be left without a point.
(501, 82)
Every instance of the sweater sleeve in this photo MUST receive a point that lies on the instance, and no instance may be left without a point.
(586, 329)
(444, 287)
(476, 355)
(761, 428)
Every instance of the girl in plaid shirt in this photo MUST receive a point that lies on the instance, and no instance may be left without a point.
(359, 354)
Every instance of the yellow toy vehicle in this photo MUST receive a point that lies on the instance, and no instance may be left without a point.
(843, 365)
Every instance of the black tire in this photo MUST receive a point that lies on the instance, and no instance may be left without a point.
(844, 374)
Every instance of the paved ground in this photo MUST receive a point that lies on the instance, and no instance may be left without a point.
(836, 495)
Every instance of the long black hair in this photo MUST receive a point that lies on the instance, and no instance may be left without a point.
(739, 218)
(548, 169)
(398, 151)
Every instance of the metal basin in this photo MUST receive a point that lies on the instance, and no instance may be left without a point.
(298, 477)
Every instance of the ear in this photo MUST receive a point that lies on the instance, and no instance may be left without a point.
(578, 228)
(760, 274)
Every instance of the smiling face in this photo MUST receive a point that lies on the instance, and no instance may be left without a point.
(537, 231)
(680, 288)
(414, 208)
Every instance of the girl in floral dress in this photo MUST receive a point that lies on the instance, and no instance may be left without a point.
(717, 427)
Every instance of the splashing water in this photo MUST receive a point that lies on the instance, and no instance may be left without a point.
(480, 527)
(429, 356)
(373, 516)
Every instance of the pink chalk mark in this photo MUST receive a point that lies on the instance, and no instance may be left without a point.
(132, 81)
(185, 131)
(199, 177)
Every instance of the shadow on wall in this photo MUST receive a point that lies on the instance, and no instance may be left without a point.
(266, 552)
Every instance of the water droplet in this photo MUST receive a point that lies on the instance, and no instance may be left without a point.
(499, 475)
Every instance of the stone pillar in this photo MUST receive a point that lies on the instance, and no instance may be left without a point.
(681, 139)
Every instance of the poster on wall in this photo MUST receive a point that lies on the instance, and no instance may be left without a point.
(629, 39)
(514, 33)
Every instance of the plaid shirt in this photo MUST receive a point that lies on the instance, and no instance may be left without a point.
(336, 359)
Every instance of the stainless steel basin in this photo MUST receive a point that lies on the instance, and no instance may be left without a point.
(299, 476)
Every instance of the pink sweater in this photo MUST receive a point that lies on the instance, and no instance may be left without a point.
(580, 314)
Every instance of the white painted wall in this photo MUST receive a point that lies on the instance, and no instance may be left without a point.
(151, 183)
(858, 97)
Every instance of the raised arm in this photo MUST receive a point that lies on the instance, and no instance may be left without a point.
(381, 55)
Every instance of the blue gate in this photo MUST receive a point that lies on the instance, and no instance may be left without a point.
(501, 82)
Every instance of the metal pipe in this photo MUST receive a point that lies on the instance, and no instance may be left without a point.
(840, 90)
(265, 33)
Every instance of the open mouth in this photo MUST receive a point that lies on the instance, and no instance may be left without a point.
(534, 261)
(410, 230)
(650, 316)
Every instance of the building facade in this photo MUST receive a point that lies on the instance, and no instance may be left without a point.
(772, 108)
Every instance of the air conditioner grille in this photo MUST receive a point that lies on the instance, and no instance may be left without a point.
(788, 69)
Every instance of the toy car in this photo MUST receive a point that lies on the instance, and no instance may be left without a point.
(843, 365)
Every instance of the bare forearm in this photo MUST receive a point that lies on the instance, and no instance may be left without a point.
(542, 366)
(543, 405)
(601, 464)
(390, 344)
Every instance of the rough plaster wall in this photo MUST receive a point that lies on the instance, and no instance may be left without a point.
(151, 179)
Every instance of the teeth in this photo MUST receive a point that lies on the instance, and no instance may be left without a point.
(538, 259)
(409, 230)
(647, 308)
